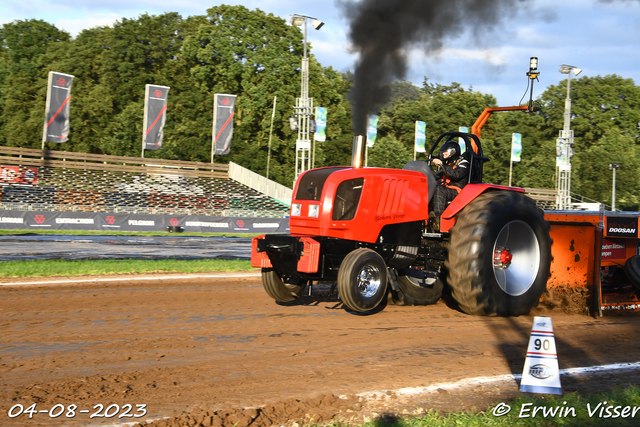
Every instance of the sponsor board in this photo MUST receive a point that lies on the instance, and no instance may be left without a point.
(138, 222)
(74, 220)
(622, 226)
(266, 225)
(614, 249)
(142, 222)
(206, 224)
(10, 220)
(19, 175)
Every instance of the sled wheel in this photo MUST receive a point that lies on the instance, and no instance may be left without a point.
(277, 289)
(416, 289)
(632, 270)
(362, 280)
(499, 255)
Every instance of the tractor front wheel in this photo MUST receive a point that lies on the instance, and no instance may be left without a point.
(277, 289)
(362, 280)
(499, 255)
(417, 288)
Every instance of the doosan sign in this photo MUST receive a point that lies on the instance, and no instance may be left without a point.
(622, 226)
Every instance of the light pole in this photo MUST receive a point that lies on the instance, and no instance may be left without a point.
(564, 146)
(304, 105)
(614, 167)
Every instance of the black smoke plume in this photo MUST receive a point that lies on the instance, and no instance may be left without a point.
(382, 31)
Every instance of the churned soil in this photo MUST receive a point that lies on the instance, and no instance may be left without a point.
(220, 352)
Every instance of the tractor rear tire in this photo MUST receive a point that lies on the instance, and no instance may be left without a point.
(499, 255)
(362, 280)
(277, 289)
(632, 270)
(414, 291)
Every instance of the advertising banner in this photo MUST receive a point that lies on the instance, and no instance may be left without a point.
(321, 124)
(372, 130)
(56, 123)
(138, 222)
(622, 226)
(155, 113)
(516, 147)
(223, 112)
(26, 175)
(421, 137)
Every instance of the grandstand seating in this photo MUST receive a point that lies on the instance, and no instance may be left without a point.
(161, 190)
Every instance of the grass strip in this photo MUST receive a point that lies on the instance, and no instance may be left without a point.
(40, 268)
(619, 407)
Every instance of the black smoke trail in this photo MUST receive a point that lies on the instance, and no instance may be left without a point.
(382, 31)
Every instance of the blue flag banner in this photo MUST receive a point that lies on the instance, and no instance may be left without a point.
(463, 145)
(372, 130)
(516, 147)
(321, 124)
(421, 137)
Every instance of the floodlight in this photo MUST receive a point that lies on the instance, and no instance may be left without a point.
(296, 20)
(317, 24)
(565, 69)
(533, 64)
(577, 71)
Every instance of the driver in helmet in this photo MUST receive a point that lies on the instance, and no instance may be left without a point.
(452, 175)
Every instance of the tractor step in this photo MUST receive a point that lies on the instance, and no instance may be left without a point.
(432, 235)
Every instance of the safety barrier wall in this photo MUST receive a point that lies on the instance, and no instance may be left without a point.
(47, 220)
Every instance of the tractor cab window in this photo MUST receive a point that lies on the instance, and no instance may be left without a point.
(312, 182)
(347, 198)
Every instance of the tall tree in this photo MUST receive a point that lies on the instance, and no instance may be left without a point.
(605, 118)
(27, 47)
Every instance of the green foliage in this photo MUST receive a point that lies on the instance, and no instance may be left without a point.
(388, 152)
(605, 118)
(26, 49)
(257, 56)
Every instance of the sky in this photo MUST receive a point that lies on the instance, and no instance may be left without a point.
(601, 37)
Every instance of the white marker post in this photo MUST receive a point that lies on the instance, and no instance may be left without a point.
(541, 373)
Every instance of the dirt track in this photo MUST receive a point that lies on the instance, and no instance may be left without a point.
(195, 346)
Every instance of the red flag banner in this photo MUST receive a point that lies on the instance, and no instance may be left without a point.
(56, 124)
(155, 112)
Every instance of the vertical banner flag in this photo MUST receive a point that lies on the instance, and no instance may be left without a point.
(421, 128)
(516, 147)
(372, 130)
(223, 112)
(155, 113)
(321, 124)
(56, 125)
(463, 145)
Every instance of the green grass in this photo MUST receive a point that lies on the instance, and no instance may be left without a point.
(42, 268)
(622, 397)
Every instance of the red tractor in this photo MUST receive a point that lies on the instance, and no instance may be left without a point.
(366, 231)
